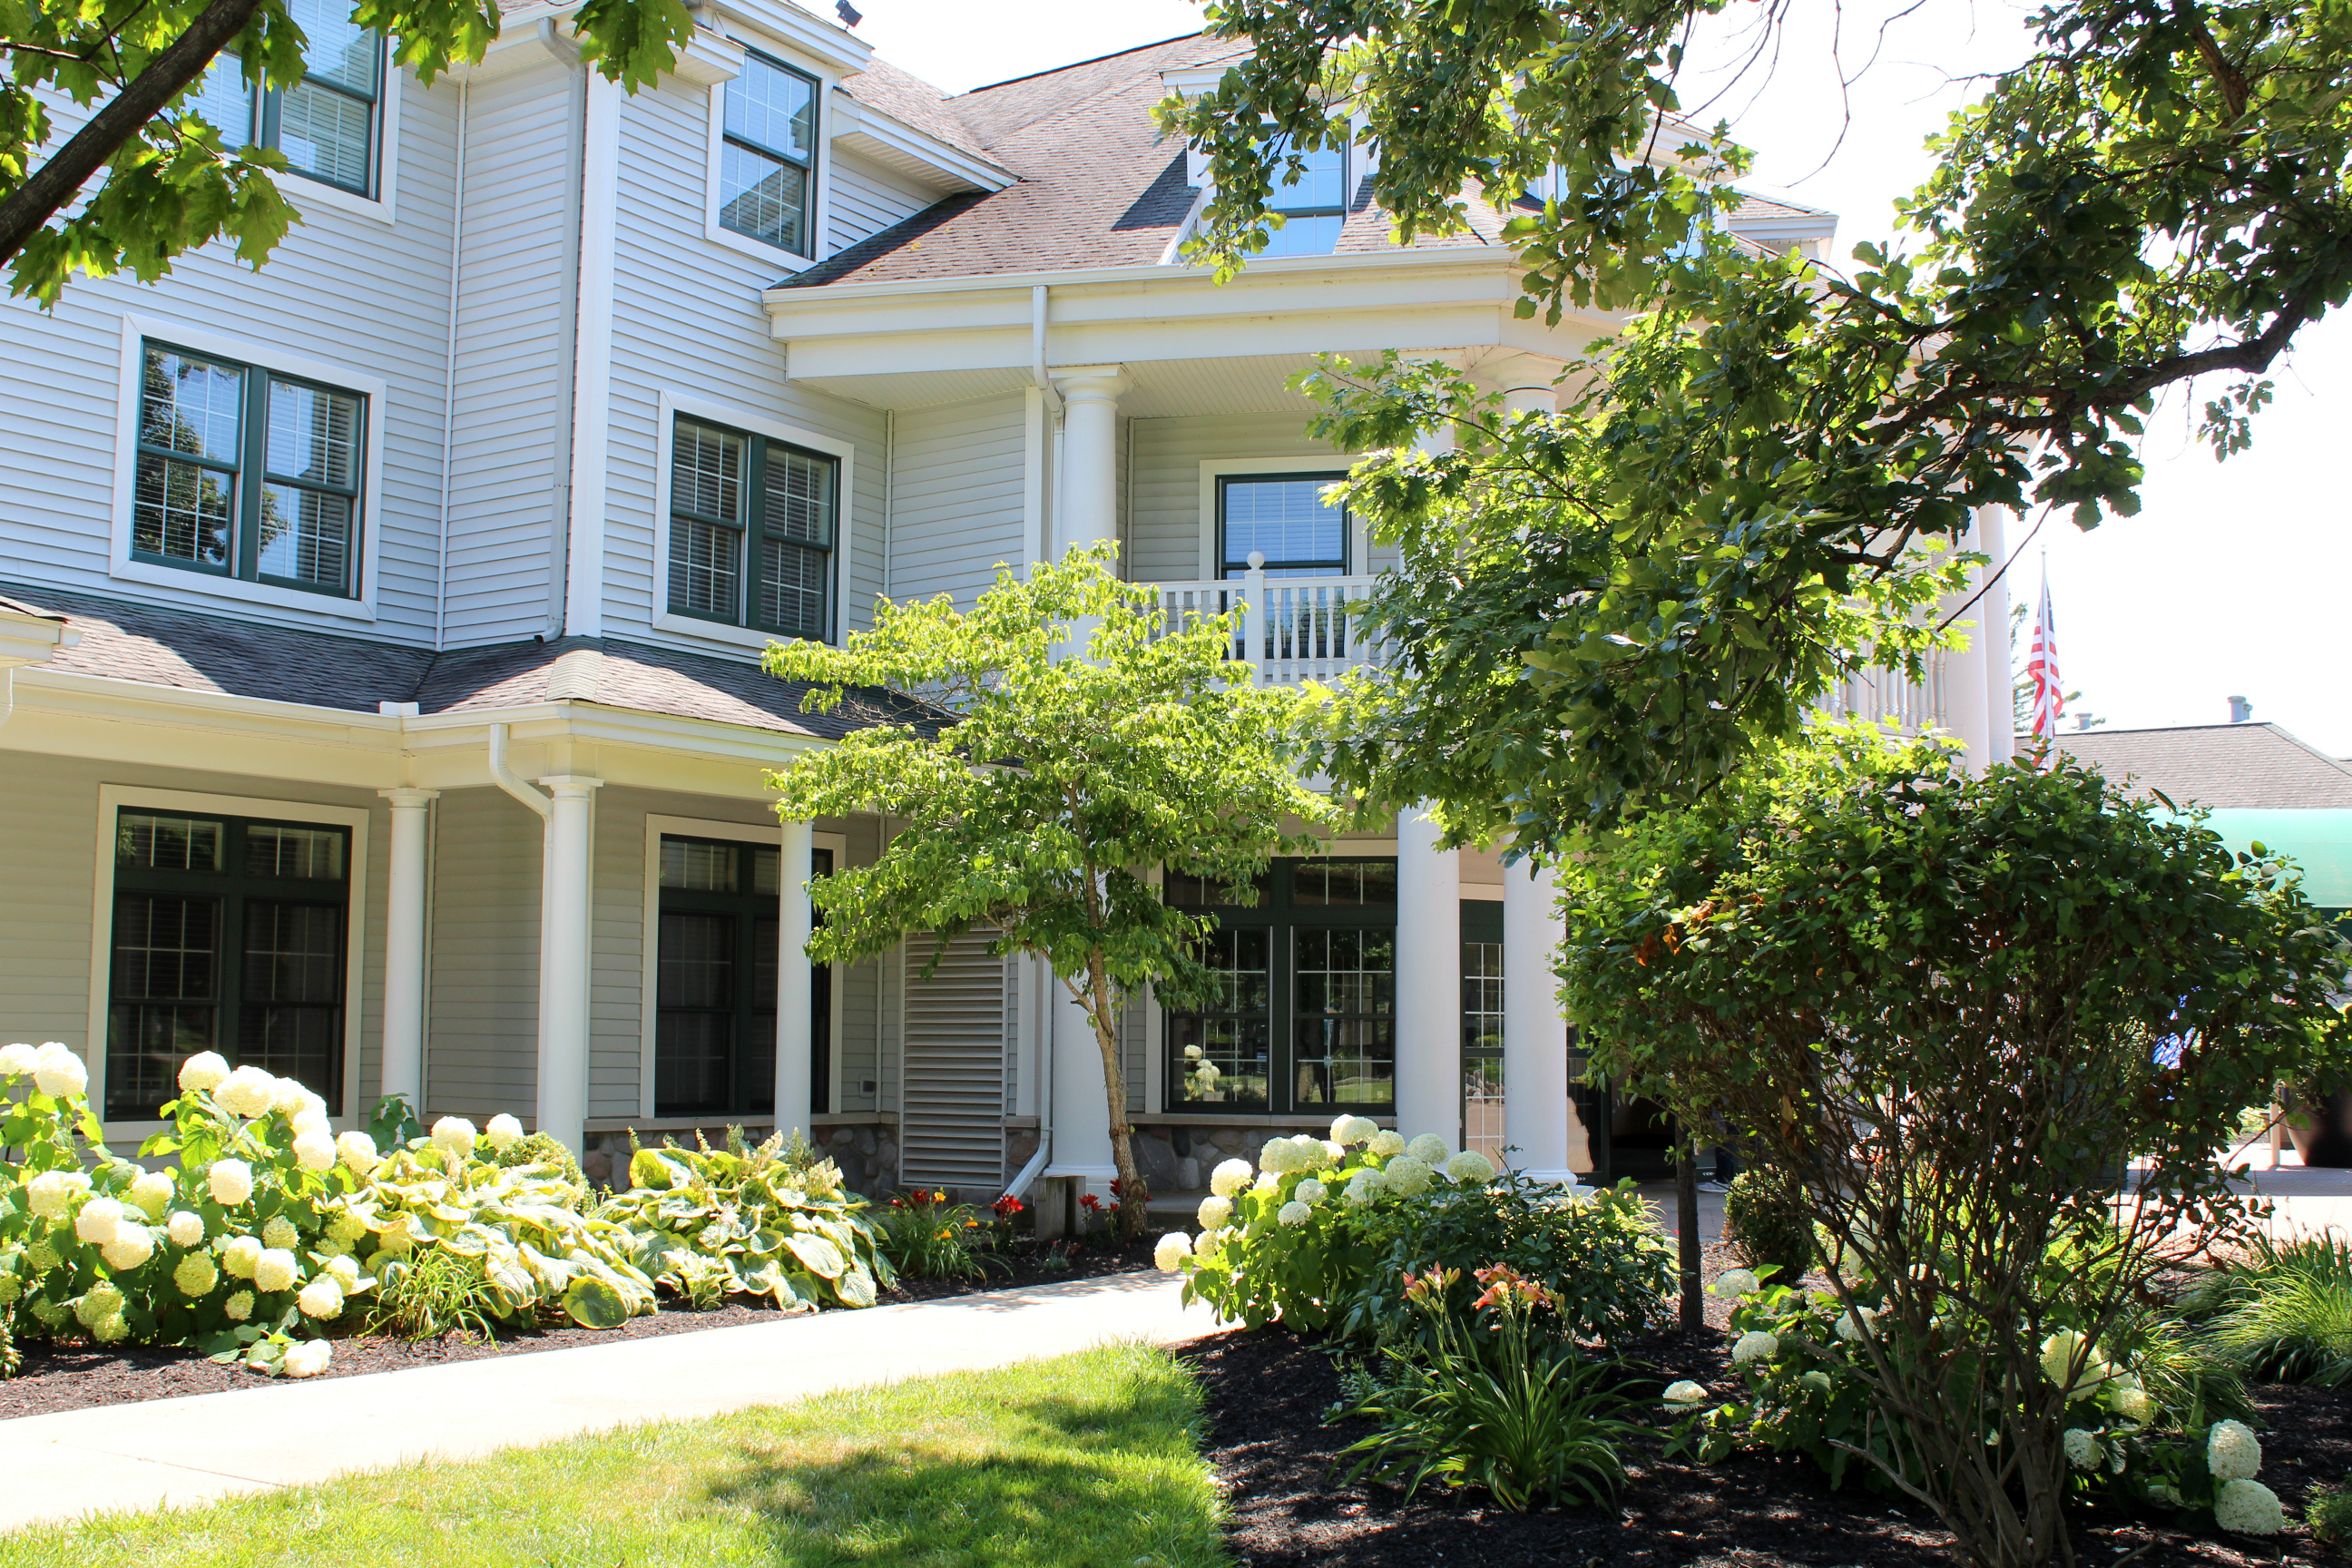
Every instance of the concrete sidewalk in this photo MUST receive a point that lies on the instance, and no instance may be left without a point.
(177, 1452)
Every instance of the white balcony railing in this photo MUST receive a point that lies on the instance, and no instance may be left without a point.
(1888, 695)
(1294, 629)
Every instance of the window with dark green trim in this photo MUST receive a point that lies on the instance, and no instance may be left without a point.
(1284, 518)
(1481, 1028)
(328, 124)
(1306, 1020)
(767, 154)
(751, 530)
(243, 472)
(714, 982)
(1313, 203)
(229, 935)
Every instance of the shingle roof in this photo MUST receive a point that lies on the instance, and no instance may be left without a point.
(2223, 766)
(884, 86)
(158, 647)
(1746, 205)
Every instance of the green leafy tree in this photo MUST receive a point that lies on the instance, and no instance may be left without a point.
(1952, 1007)
(1089, 743)
(143, 177)
(2156, 196)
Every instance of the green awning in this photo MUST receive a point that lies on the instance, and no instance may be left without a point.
(2319, 841)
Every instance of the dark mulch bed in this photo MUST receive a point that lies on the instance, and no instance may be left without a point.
(1267, 1390)
(76, 1376)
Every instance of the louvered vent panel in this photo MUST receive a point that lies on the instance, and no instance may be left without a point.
(951, 1115)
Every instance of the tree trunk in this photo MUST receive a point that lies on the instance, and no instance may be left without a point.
(1694, 1306)
(1132, 1190)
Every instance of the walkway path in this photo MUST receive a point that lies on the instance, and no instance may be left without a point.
(191, 1450)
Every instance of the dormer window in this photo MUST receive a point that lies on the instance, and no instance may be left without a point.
(1313, 203)
(327, 124)
(767, 157)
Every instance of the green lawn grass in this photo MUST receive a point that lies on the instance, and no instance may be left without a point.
(1087, 1461)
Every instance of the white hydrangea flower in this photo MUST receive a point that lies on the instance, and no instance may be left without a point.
(1192, 1053)
(241, 1256)
(1307, 1151)
(205, 1069)
(1429, 1149)
(2058, 1356)
(1386, 1144)
(109, 1330)
(1685, 1393)
(307, 1122)
(1470, 1168)
(276, 1269)
(1173, 1250)
(1755, 1345)
(1230, 1177)
(152, 1192)
(230, 1182)
(456, 1134)
(1406, 1176)
(2082, 1450)
(1279, 1158)
(2134, 1407)
(291, 1099)
(308, 1358)
(130, 1248)
(2245, 1506)
(1293, 1213)
(248, 1092)
(1850, 1325)
(321, 1299)
(18, 1059)
(315, 1150)
(346, 1227)
(328, 1246)
(1363, 1186)
(1332, 1155)
(196, 1275)
(280, 1234)
(504, 1132)
(1310, 1191)
(1353, 1129)
(185, 1228)
(51, 1193)
(239, 1306)
(99, 1221)
(1214, 1212)
(2232, 1452)
(345, 1271)
(359, 1153)
(57, 1072)
(1735, 1283)
(1267, 1182)
(100, 1301)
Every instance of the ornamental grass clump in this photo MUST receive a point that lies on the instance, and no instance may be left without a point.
(2285, 1314)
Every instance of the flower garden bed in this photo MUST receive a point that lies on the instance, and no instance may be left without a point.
(1268, 1390)
(77, 1374)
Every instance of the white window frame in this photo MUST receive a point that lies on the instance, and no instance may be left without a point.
(649, 975)
(670, 406)
(383, 207)
(136, 331)
(781, 262)
(111, 799)
(1360, 543)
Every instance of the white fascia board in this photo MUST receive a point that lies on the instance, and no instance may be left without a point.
(520, 45)
(27, 638)
(837, 46)
(869, 132)
(1784, 232)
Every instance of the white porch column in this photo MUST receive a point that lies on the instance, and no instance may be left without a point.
(1089, 511)
(1429, 984)
(795, 981)
(1081, 1107)
(566, 887)
(403, 947)
(1965, 709)
(1536, 1116)
(1992, 610)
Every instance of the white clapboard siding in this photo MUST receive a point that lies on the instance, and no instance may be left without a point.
(867, 198)
(951, 1122)
(956, 486)
(482, 1053)
(1165, 529)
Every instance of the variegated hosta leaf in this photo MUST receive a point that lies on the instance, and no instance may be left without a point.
(821, 1256)
(857, 1286)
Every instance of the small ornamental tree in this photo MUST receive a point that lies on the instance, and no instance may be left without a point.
(1089, 743)
(1955, 1007)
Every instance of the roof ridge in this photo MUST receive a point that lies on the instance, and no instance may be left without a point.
(1073, 65)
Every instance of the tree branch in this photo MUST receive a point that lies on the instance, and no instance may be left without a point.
(169, 74)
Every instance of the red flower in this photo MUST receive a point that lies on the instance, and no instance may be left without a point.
(1090, 1202)
(1007, 1207)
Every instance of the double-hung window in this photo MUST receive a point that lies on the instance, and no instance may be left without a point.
(752, 532)
(228, 936)
(1313, 203)
(243, 472)
(714, 982)
(328, 124)
(1305, 1017)
(1284, 518)
(767, 154)
(1481, 1028)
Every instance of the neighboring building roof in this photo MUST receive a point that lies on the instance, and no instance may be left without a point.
(2217, 766)
(157, 647)
(1746, 206)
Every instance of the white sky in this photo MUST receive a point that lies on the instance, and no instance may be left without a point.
(2221, 584)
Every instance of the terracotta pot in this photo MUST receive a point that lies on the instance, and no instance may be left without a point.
(2324, 1139)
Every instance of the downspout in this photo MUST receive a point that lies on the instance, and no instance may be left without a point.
(1044, 1022)
(559, 520)
(890, 493)
(1044, 442)
(504, 776)
(450, 375)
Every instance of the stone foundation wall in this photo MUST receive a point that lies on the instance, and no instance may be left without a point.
(866, 1151)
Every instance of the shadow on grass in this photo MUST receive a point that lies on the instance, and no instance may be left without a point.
(1111, 1478)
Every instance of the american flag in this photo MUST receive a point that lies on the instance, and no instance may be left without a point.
(2042, 668)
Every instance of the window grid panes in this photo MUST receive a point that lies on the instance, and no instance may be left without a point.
(1305, 1017)
(326, 123)
(1284, 518)
(1482, 1046)
(240, 472)
(714, 982)
(732, 493)
(1313, 203)
(230, 935)
(767, 154)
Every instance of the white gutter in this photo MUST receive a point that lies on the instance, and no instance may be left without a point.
(591, 361)
(1044, 412)
(504, 776)
(449, 373)
(1044, 1025)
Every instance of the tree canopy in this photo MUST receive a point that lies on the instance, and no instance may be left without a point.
(1756, 482)
(143, 177)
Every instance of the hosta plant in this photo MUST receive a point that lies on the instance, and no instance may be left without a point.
(770, 1221)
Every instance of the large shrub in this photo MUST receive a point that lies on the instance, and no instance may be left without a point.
(1954, 1007)
(1769, 1225)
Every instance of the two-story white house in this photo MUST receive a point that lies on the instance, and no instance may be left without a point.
(380, 628)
